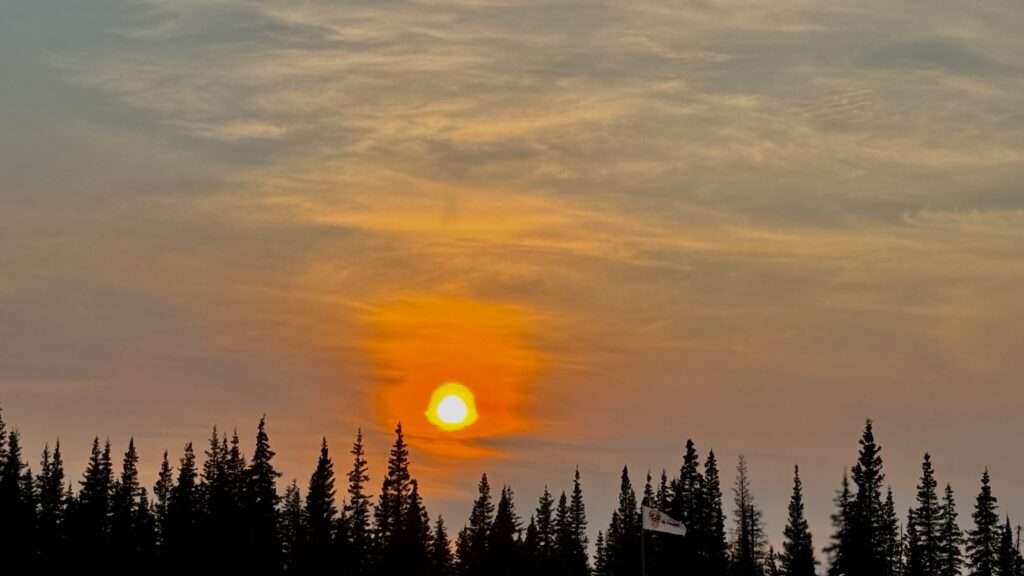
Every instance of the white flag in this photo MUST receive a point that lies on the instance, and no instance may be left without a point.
(658, 521)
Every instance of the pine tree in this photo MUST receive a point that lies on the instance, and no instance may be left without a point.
(983, 540)
(712, 548)
(393, 503)
(771, 563)
(564, 545)
(261, 500)
(504, 549)
(924, 526)
(358, 540)
(181, 539)
(1006, 559)
(92, 509)
(412, 544)
(52, 519)
(600, 557)
(686, 506)
(950, 555)
(321, 513)
(578, 558)
(797, 558)
(748, 534)
(622, 546)
(17, 504)
(162, 494)
(892, 552)
(441, 560)
(293, 530)
(217, 501)
(867, 515)
(127, 538)
(473, 559)
(544, 551)
(839, 551)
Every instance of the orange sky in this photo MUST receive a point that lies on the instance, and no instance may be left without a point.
(622, 225)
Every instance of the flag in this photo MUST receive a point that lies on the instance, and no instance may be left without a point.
(658, 521)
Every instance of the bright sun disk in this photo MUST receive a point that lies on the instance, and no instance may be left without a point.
(452, 407)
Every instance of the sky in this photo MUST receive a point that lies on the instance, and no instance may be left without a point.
(621, 224)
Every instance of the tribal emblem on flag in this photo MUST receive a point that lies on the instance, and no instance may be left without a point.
(658, 521)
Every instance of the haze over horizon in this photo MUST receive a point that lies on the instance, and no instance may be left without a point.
(620, 225)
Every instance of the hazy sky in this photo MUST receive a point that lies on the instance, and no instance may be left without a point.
(622, 224)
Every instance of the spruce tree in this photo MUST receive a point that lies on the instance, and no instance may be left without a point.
(441, 559)
(127, 538)
(1006, 559)
(321, 513)
(92, 509)
(622, 545)
(214, 522)
(950, 554)
(578, 558)
(564, 545)
(983, 539)
(504, 547)
(393, 501)
(868, 554)
(686, 506)
(748, 533)
(293, 530)
(839, 551)
(162, 497)
(52, 519)
(797, 558)
(712, 547)
(600, 557)
(358, 538)
(473, 559)
(181, 539)
(544, 551)
(892, 538)
(261, 500)
(924, 525)
(412, 544)
(17, 505)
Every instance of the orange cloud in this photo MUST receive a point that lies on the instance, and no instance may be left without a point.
(421, 342)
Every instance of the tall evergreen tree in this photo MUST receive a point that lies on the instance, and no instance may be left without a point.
(394, 495)
(473, 558)
(321, 513)
(797, 558)
(52, 520)
(261, 500)
(544, 550)
(712, 548)
(579, 563)
(839, 551)
(162, 497)
(217, 502)
(17, 504)
(412, 544)
(622, 546)
(1006, 560)
(924, 525)
(601, 557)
(92, 509)
(749, 541)
(867, 514)
(358, 538)
(564, 545)
(441, 559)
(129, 538)
(504, 547)
(686, 506)
(983, 539)
(181, 538)
(293, 530)
(892, 538)
(950, 554)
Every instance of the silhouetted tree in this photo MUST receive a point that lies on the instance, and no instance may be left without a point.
(131, 532)
(261, 498)
(321, 513)
(579, 563)
(839, 551)
(866, 518)
(600, 557)
(892, 538)
(622, 545)
(92, 509)
(504, 547)
(983, 539)
(51, 534)
(184, 507)
(924, 525)
(17, 503)
(797, 558)
(950, 555)
(748, 533)
(357, 541)
(441, 559)
(473, 555)
(1006, 562)
(543, 551)
(293, 530)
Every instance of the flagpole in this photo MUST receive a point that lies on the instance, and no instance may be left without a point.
(643, 554)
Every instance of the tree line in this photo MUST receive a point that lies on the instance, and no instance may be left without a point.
(226, 516)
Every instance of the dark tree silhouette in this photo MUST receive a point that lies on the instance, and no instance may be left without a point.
(184, 508)
(261, 498)
(983, 539)
(321, 514)
(51, 534)
(441, 559)
(293, 529)
(506, 555)
(950, 553)
(622, 545)
(749, 541)
(839, 551)
(473, 553)
(866, 519)
(797, 558)
(17, 502)
(357, 542)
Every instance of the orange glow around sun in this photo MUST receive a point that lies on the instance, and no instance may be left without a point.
(424, 346)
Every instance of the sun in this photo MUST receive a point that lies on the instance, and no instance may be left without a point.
(452, 407)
